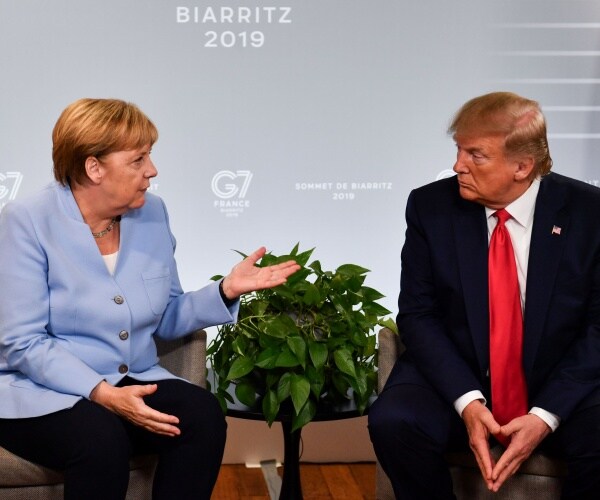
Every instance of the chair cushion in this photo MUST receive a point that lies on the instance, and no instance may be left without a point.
(16, 471)
(537, 464)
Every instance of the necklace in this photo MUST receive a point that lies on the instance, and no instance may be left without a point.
(108, 229)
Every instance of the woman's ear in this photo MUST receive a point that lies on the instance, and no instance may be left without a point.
(93, 170)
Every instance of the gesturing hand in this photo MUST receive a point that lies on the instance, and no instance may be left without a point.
(128, 403)
(246, 277)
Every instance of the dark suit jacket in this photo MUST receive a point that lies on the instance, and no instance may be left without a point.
(443, 303)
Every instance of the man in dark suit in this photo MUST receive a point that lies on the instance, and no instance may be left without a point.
(439, 396)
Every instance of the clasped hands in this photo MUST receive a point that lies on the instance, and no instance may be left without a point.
(128, 401)
(525, 434)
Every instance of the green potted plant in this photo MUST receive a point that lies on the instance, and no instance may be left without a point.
(308, 341)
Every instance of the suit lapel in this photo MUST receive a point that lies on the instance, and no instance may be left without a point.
(548, 238)
(471, 242)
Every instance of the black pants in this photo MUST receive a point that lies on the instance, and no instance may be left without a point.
(411, 428)
(93, 445)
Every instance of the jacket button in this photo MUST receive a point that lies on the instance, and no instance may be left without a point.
(123, 369)
(123, 334)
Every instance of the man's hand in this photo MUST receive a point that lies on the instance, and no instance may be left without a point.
(525, 434)
(128, 403)
(480, 424)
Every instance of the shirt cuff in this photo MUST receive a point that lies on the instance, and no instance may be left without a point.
(461, 403)
(551, 419)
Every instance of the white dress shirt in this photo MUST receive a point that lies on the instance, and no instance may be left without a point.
(519, 227)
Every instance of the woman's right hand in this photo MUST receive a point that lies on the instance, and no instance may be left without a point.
(128, 402)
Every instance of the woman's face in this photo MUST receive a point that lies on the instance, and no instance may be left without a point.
(126, 177)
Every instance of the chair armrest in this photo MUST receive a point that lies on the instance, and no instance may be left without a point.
(185, 357)
(387, 354)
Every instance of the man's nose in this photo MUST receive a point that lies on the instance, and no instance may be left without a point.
(460, 164)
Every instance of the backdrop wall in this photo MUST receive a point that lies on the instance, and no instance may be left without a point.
(291, 121)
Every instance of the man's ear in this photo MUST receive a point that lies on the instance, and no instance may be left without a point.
(524, 168)
(93, 169)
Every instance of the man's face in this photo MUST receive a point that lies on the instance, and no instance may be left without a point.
(485, 174)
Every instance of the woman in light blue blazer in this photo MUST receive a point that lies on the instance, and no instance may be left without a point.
(88, 279)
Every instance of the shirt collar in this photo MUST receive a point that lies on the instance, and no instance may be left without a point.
(523, 207)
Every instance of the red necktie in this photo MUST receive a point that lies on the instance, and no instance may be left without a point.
(509, 391)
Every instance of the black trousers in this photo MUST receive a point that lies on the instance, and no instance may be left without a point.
(93, 445)
(411, 428)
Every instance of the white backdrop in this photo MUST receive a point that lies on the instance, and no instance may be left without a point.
(296, 120)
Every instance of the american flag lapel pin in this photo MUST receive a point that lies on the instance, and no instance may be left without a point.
(556, 230)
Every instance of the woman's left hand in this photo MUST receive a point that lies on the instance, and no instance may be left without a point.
(246, 277)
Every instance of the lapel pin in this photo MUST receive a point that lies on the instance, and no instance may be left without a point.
(556, 230)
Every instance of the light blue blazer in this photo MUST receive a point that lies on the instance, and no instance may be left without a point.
(66, 323)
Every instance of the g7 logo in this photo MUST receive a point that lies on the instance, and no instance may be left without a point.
(11, 191)
(228, 189)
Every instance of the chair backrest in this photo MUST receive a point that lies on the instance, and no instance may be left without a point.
(185, 357)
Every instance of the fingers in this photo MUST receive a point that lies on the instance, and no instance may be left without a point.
(479, 420)
(159, 423)
(288, 268)
(481, 450)
(128, 402)
(525, 434)
(144, 390)
(507, 465)
(255, 256)
(281, 272)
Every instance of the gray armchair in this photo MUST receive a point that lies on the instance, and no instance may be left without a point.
(539, 477)
(23, 480)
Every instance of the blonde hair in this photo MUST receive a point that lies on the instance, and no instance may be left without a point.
(96, 127)
(519, 120)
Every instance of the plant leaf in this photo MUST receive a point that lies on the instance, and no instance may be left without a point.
(298, 346)
(318, 353)
(370, 294)
(311, 295)
(299, 391)
(240, 367)
(245, 392)
(268, 358)
(240, 345)
(270, 406)
(305, 415)
(351, 270)
(286, 359)
(302, 258)
(284, 387)
(375, 308)
(343, 360)
(317, 380)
